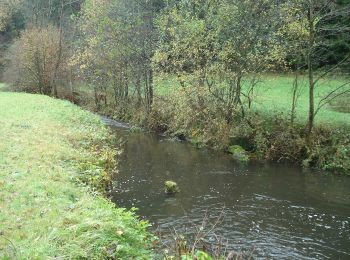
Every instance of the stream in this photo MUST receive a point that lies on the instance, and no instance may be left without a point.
(274, 211)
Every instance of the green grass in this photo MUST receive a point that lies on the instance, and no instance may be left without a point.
(45, 212)
(274, 95)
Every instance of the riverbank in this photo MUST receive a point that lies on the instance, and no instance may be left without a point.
(266, 131)
(53, 161)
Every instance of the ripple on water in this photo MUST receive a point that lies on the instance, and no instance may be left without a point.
(276, 211)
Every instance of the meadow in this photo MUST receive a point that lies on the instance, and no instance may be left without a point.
(273, 95)
(50, 150)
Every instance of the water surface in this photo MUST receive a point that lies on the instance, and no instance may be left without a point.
(276, 211)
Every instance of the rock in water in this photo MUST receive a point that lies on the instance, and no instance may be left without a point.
(171, 187)
(238, 153)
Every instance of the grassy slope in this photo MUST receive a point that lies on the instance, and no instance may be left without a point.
(44, 212)
(274, 95)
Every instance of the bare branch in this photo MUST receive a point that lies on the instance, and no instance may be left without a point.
(331, 96)
(331, 69)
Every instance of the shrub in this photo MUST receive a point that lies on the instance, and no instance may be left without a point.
(36, 61)
(331, 150)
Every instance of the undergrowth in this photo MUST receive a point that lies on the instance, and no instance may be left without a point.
(266, 136)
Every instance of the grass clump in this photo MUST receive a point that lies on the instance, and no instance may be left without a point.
(49, 150)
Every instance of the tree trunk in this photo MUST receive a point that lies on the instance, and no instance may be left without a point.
(96, 98)
(149, 90)
(115, 87)
(230, 102)
(126, 89)
(294, 101)
(150, 87)
(138, 89)
(59, 55)
(55, 92)
(311, 117)
(238, 100)
(105, 93)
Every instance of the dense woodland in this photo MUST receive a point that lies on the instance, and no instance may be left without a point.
(192, 69)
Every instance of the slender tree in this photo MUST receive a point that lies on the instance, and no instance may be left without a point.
(310, 26)
(220, 44)
(116, 45)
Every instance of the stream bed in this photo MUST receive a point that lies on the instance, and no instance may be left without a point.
(275, 211)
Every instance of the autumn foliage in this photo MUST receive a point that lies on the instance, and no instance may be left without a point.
(35, 62)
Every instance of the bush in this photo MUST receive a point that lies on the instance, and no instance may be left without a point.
(331, 150)
(36, 61)
(193, 115)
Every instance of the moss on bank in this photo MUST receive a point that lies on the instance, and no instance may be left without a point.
(49, 149)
